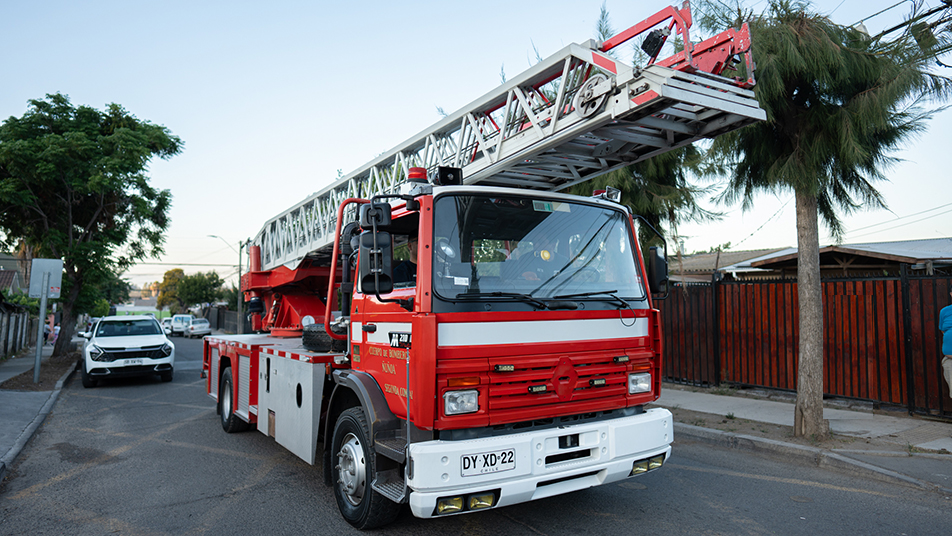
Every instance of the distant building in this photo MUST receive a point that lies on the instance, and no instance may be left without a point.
(869, 259)
(12, 278)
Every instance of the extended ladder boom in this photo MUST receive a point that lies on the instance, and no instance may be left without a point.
(578, 114)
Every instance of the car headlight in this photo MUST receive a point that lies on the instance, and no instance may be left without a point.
(166, 349)
(639, 383)
(95, 352)
(460, 402)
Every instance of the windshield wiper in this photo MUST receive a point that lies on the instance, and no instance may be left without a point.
(515, 295)
(609, 293)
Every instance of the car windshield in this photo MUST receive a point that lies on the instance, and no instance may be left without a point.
(521, 248)
(126, 328)
(200, 323)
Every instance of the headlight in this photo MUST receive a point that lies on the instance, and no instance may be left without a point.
(639, 383)
(460, 402)
(95, 352)
(167, 349)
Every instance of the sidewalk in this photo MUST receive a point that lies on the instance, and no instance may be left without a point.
(887, 445)
(22, 412)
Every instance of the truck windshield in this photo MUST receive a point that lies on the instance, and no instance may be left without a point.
(493, 247)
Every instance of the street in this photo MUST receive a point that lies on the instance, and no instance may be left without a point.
(140, 456)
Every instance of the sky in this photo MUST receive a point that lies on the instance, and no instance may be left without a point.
(274, 99)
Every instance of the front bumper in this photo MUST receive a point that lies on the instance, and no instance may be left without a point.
(605, 452)
(116, 369)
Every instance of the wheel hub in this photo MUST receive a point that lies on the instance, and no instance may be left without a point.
(352, 469)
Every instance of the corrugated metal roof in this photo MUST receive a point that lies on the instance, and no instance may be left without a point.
(905, 251)
(705, 262)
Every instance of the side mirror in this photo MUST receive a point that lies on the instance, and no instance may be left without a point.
(657, 272)
(375, 267)
(85, 334)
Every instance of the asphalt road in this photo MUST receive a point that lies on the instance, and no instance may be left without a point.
(144, 457)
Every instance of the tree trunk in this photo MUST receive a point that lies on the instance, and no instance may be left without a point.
(808, 420)
(67, 319)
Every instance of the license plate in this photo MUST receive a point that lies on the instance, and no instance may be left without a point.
(130, 362)
(488, 462)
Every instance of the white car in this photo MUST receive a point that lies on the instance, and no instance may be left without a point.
(198, 327)
(122, 346)
(180, 324)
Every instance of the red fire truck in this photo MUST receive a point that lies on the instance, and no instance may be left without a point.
(444, 328)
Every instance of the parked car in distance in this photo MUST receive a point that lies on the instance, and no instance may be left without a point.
(198, 327)
(122, 346)
(167, 325)
(180, 324)
(92, 323)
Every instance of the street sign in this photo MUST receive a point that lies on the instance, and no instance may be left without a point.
(54, 267)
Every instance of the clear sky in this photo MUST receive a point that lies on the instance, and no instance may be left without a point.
(273, 98)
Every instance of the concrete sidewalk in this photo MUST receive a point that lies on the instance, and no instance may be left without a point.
(892, 449)
(22, 412)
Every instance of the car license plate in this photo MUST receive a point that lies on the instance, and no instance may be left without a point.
(130, 362)
(488, 462)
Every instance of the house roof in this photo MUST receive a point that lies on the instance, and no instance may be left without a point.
(905, 251)
(9, 278)
(708, 262)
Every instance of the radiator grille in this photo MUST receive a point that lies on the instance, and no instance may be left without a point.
(541, 381)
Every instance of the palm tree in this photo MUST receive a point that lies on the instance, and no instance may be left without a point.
(838, 104)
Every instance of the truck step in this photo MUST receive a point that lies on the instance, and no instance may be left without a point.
(391, 446)
(390, 484)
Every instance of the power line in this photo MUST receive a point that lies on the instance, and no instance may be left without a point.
(904, 224)
(775, 214)
(899, 218)
(182, 264)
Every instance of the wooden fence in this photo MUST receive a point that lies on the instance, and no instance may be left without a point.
(881, 338)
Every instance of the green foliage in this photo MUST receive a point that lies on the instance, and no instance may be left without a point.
(24, 300)
(100, 309)
(73, 186)
(230, 296)
(837, 105)
(200, 289)
(168, 291)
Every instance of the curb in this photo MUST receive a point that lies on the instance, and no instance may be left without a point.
(787, 451)
(27, 434)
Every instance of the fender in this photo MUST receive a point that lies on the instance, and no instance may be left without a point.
(356, 388)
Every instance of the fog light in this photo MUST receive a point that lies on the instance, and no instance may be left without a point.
(639, 383)
(639, 467)
(482, 500)
(655, 462)
(449, 505)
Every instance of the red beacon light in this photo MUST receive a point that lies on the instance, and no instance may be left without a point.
(609, 193)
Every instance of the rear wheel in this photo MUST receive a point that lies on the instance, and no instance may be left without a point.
(230, 422)
(354, 463)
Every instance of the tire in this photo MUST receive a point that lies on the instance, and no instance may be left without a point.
(353, 463)
(316, 339)
(167, 376)
(230, 422)
(87, 381)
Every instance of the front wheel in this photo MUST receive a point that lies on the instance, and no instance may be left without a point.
(230, 422)
(88, 382)
(354, 469)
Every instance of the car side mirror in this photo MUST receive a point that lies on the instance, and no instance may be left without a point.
(657, 272)
(375, 268)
